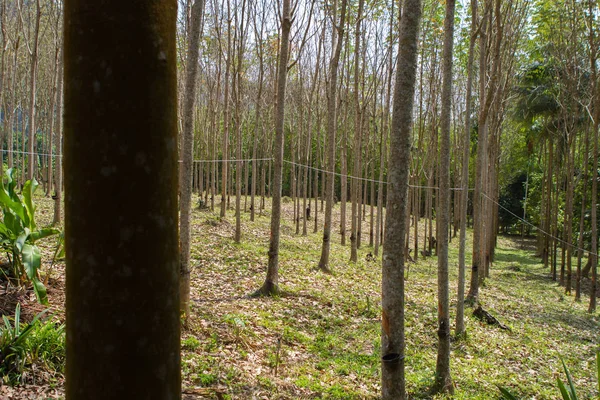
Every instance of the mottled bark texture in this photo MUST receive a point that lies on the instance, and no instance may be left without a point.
(392, 337)
(271, 285)
(121, 200)
(443, 380)
(188, 155)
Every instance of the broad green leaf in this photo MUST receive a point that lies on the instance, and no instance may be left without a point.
(42, 233)
(4, 231)
(598, 368)
(32, 260)
(10, 185)
(506, 394)
(12, 222)
(40, 291)
(20, 242)
(14, 206)
(28, 190)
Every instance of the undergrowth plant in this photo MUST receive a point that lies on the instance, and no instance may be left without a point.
(567, 392)
(21, 345)
(19, 232)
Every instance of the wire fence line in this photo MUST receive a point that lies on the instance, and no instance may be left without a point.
(574, 246)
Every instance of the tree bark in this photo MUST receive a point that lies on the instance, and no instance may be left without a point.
(32, 95)
(238, 125)
(122, 306)
(392, 340)
(356, 170)
(464, 198)
(271, 284)
(225, 154)
(442, 376)
(331, 127)
(384, 135)
(58, 165)
(191, 81)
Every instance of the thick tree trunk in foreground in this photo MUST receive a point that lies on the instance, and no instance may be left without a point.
(442, 375)
(188, 156)
(392, 338)
(271, 285)
(122, 251)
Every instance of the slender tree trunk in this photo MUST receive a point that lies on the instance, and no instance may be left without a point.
(185, 207)
(271, 284)
(331, 127)
(238, 122)
(51, 133)
(356, 171)
(478, 242)
(464, 198)
(122, 306)
(316, 186)
(443, 378)
(580, 243)
(225, 156)
(261, 72)
(307, 169)
(58, 165)
(569, 215)
(372, 202)
(384, 135)
(32, 94)
(593, 11)
(392, 340)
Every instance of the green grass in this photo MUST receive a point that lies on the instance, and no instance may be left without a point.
(329, 324)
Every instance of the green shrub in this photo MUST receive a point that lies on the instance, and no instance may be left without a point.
(21, 345)
(47, 345)
(190, 343)
(567, 392)
(18, 234)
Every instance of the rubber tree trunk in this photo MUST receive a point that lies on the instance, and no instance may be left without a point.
(392, 337)
(443, 380)
(32, 95)
(478, 243)
(464, 198)
(271, 284)
(330, 148)
(225, 154)
(58, 164)
(355, 182)
(122, 263)
(384, 135)
(189, 98)
(238, 127)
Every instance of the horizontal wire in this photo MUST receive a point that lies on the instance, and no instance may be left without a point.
(29, 153)
(538, 228)
(576, 247)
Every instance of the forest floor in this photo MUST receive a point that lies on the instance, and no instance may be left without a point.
(321, 337)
